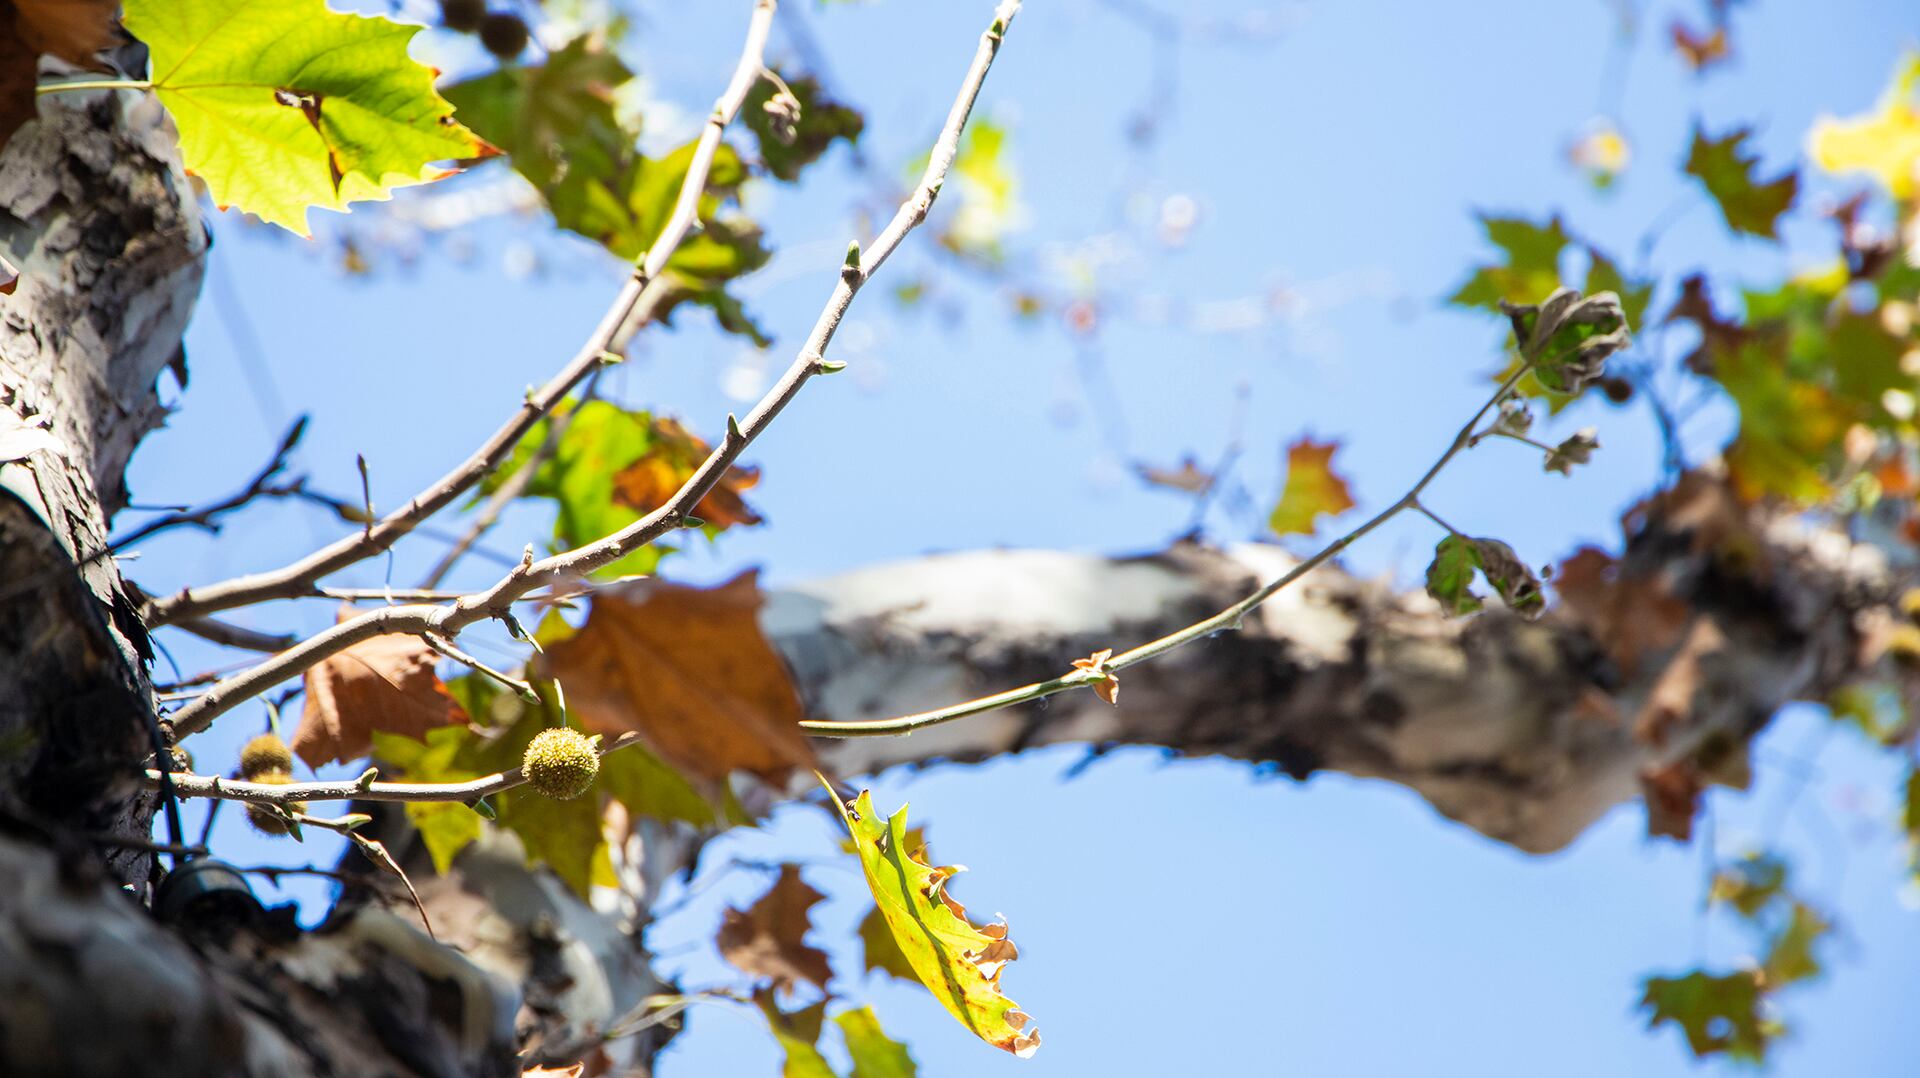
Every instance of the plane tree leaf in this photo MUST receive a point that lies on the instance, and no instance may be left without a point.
(1749, 204)
(73, 30)
(1459, 557)
(383, 685)
(1883, 144)
(284, 105)
(768, 939)
(959, 962)
(1719, 1013)
(875, 1055)
(689, 670)
(1312, 489)
(795, 122)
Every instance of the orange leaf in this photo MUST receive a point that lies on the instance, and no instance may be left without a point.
(1312, 488)
(384, 685)
(688, 669)
(1700, 50)
(73, 30)
(769, 939)
(1673, 795)
(647, 483)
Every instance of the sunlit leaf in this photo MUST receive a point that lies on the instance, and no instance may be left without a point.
(1883, 144)
(384, 685)
(875, 1055)
(283, 105)
(689, 670)
(798, 1033)
(957, 961)
(1313, 488)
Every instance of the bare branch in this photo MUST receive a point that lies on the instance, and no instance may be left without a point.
(574, 565)
(298, 578)
(207, 517)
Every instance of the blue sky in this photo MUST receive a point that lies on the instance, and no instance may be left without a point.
(1170, 914)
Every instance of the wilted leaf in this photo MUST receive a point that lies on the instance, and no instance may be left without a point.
(1312, 488)
(688, 669)
(1106, 683)
(1884, 143)
(875, 1055)
(957, 961)
(1576, 449)
(384, 685)
(1567, 338)
(1718, 1014)
(73, 30)
(1748, 204)
(284, 105)
(768, 940)
(1458, 557)
(820, 120)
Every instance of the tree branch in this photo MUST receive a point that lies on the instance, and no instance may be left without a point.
(496, 602)
(298, 578)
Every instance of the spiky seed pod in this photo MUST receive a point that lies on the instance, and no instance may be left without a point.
(266, 820)
(462, 16)
(561, 762)
(504, 34)
(264, 754)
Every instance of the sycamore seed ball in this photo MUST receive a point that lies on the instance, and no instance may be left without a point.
(265, 754)
(561, 762)
(265, 820)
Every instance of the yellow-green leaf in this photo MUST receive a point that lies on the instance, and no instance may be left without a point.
(798, 1033)
(1313, 488)
(957, 961)
(875, 1055)
(284, 105)
(1884, 143)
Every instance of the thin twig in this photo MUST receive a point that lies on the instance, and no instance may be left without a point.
(229, 635)
(260, 486)
(1229, 618)
(446, 647)
(512, 487)
(297, 578)
(573, 565)
(260, 793)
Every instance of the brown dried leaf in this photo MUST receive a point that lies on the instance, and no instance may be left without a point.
(1669, 703)
(1108, 687)
(768, 940)
(572, 1071)
(1672, 792)
(384, 685)
(1629, 616)
(1700, 50)
(688, 669)
(73, 30)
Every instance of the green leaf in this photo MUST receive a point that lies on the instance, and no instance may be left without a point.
(1718, 1014)
(1458, 557)
(957, 961)
(983, 183)
(880, 951)
(875, 1055)
(1313, 488)
(558, 124)
(821, 120)
(1604, 275)
(1749, 205)
(1790, 957)
(284, 105)
(1529, 267)
(798, 1033)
